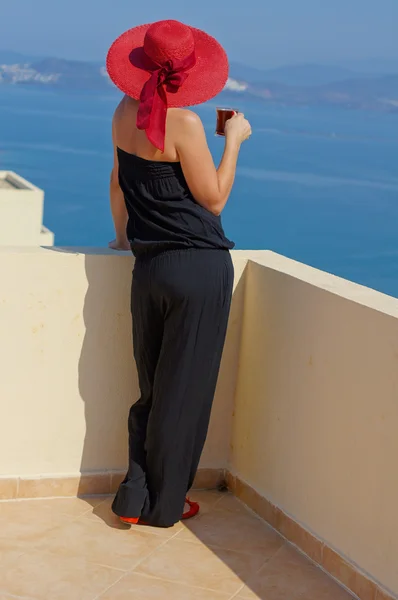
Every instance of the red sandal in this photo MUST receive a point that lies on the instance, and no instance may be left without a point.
(192, 512)
(129, 521)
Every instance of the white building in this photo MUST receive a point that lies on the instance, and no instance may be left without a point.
(21, 213)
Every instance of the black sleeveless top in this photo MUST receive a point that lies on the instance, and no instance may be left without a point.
(162, 211)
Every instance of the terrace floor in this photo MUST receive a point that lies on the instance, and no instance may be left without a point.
(75, 549)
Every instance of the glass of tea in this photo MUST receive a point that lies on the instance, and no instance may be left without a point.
(223, 114)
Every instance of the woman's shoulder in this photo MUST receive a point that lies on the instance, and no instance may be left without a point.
(184, 125)
(125, 107)
(184, 116)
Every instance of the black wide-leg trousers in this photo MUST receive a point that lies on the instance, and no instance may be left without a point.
(180, 305)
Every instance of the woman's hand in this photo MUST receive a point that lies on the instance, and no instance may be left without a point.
(119, 245)
(238, 128)
(209, 186)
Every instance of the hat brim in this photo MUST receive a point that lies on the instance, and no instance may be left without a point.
(206, 78)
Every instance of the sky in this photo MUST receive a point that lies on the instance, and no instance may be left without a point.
(262, 33)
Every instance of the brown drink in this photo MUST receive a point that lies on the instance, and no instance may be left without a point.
(223, 114)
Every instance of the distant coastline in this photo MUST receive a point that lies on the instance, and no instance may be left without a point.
(300, 85)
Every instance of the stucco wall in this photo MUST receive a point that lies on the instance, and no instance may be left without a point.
(67, 373)
(315, 427)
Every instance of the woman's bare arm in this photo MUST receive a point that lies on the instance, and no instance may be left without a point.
(209, 186)
(118, 205)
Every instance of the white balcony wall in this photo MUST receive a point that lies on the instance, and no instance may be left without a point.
(315, 428)
(68, 376)
(21, 213)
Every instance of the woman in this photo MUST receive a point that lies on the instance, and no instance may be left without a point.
(166, 200)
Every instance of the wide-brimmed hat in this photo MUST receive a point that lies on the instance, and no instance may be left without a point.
(166, 64)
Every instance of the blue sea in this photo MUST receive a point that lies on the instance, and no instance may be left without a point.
(318, 185)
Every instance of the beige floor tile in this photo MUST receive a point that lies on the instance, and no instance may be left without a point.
(10, 550)
(208, 500)
(5, 596)
(230, 503)
(28, 521)
(199, 566)
(233, 531)
(73, 507)
(119, 549)
(165, 533)
(290, 576)
(53, 577)
(76, 549)
(142, 587)
(67, 507)
(103, 514)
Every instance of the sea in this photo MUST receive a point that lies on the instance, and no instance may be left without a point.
(319, 185)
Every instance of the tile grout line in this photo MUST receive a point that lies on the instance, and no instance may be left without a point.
(45, 498)
(73, 518)
(211, 547)
(174, 581)
(92, 508)
(256, 573)
(109, 587)
(212, 508)
(222, 496)
(16, 597)
(238, 592)
(161, 546)
(49, 551)
(133, 569)
(135, 566)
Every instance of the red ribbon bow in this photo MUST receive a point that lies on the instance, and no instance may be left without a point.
(152, 110)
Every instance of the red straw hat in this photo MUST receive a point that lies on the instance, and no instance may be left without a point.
(166, 64)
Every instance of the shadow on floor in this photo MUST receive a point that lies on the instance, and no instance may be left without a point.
(229, 550)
